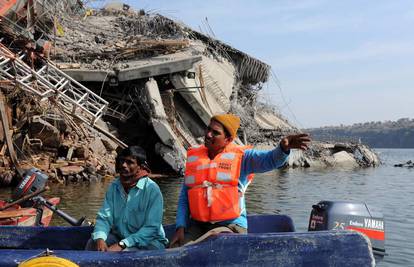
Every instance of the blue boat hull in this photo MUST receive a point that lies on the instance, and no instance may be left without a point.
(270, 242)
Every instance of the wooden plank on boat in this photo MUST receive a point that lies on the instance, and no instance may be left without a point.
(17, 213)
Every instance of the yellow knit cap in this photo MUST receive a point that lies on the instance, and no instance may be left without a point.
(230, 121)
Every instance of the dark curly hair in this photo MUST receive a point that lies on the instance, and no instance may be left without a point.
(136, 152)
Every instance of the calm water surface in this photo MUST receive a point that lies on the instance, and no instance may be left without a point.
(293, 192)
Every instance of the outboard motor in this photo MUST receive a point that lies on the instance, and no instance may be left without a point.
(33, 180)
(28, 192)
(342, 215)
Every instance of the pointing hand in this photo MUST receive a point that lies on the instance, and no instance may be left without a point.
(298, 141)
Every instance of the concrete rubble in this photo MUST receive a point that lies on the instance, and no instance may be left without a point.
(408, 164)
(343, 155)
(103, 79)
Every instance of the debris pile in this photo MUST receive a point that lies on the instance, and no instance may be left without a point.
(322, 154)
(153, 70)
(47, 138)
(49, 120)
(80, 83)
(105, 38)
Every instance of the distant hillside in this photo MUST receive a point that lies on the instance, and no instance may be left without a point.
(388, 134)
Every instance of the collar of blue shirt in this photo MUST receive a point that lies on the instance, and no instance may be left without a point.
(140, 184)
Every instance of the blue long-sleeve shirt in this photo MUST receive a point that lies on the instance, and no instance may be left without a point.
(135, 217)
(253, 161)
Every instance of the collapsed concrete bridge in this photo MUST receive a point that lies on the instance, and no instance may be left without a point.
(160, 80)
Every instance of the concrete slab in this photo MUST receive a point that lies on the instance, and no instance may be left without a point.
(269, 121)
(137, 69)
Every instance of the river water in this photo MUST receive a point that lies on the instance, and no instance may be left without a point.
(293, 192)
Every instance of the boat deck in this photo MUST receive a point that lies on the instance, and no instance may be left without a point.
(270, 242)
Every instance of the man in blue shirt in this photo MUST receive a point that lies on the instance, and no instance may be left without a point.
(131, 215)
(219, 135)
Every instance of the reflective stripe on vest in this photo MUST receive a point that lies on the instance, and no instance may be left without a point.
(229, 156)
(192, 158)
(189, 179)
(207, 166)
(223, 176)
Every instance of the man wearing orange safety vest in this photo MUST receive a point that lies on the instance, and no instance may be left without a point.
(217, 175)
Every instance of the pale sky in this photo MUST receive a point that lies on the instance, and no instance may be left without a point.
(338, 62)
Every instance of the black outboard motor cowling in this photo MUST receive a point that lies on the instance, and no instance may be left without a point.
(342, 215)
(32, 181)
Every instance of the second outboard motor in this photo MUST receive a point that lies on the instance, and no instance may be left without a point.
(342, 215)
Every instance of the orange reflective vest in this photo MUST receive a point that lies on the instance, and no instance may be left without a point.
(213, 192)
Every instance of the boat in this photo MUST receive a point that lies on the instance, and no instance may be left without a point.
(28, 207)
(271, 241)
(26, 216)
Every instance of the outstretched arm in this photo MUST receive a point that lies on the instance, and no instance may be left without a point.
(257, 161)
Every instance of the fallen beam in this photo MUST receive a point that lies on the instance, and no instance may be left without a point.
(138, 69)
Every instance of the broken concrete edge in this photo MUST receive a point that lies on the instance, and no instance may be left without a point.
(134, 72)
